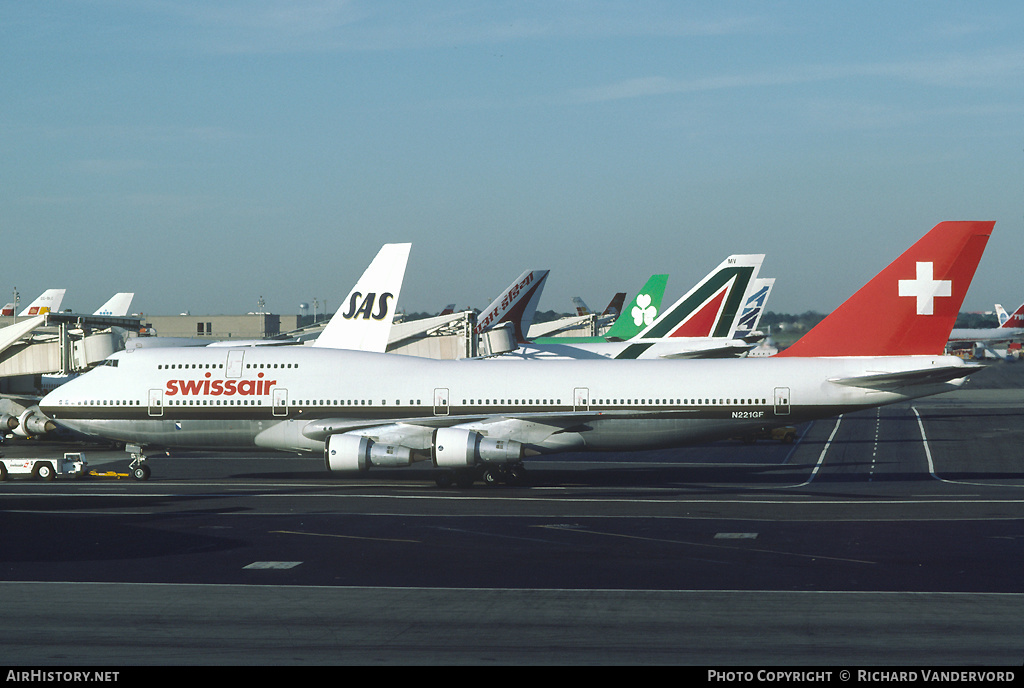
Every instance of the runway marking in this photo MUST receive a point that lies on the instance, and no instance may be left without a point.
(706, 545)
(874, 449)
(345, 537)
(821, 457)
(272, 565)
(927, 448)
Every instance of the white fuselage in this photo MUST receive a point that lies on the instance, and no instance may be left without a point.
(294, 398)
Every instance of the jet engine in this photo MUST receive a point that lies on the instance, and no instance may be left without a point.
(348, 452)
(7, 422)
(461, 448)
(32, 422)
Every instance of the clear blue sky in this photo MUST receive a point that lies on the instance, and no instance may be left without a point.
(203, 154)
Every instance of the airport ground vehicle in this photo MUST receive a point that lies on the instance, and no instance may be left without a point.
(73, 464)
(785, 434)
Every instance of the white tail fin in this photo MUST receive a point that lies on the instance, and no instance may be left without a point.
(363, 322)
(753, 307)
(517, 304)
(48, 302)
(118, 305)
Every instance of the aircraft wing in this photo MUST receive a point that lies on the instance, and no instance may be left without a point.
(728, 349)
(397, 429)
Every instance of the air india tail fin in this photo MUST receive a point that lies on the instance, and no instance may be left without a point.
(517, 304)
(910, 307)
(363, 322)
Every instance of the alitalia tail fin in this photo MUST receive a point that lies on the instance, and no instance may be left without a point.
(710, 308)
(910, 307)
(363, 322)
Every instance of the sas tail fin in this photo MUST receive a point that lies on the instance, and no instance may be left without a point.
(710, 308)
(363, 322)
(910, 307)
(517, 304)
(641, 311)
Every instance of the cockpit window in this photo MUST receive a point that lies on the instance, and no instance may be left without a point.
(112, 362)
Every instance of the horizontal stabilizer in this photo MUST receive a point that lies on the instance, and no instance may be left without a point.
(900, 380)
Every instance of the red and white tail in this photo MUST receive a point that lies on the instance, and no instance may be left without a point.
(517, 304)
(1015, 320)
(910, 307)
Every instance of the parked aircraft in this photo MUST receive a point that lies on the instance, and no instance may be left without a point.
(753, 307)
(118, 305)
(362, 322)
(1011, 328)
(700, 324)
(641, 312)
(1001, 313)
(517, 304)
(361, 409)
(47, 302)
(614, 307)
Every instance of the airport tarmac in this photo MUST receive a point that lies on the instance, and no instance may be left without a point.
(887, 537)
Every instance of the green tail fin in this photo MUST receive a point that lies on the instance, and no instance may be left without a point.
(641, 311)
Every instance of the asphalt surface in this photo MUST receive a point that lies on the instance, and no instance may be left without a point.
(887, 537)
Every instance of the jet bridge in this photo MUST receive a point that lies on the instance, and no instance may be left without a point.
(61, 343)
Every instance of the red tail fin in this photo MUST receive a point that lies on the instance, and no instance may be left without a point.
(909, 308)
(1015, 320)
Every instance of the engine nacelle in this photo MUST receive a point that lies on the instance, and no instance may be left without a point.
(461, 448)
(356, 453)
(32, 422)
(7, 422)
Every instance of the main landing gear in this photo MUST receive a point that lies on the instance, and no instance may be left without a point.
(502, 474)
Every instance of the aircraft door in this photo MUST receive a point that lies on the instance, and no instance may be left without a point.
(280, 401)
(581, 399)
(234, 366)
(441, 401)
(156, 402)
(782, 401)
